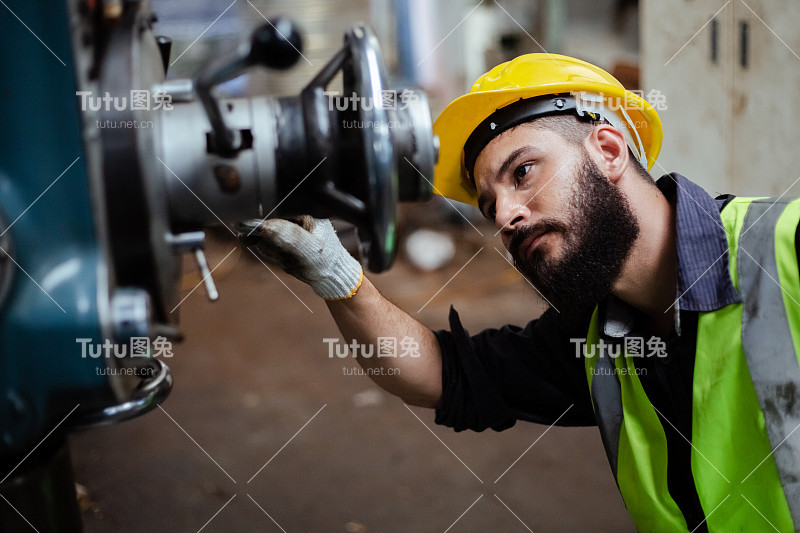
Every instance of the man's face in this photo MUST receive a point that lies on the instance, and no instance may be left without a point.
(568, 229)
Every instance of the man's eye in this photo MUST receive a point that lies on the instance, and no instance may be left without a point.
(521, 172)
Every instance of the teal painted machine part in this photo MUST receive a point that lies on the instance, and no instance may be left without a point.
(42, 374)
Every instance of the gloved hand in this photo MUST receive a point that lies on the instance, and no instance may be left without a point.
(308, 249)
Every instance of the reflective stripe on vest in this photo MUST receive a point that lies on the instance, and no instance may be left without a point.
(746, 366)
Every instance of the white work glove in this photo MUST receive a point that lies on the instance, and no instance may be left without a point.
(308, 249)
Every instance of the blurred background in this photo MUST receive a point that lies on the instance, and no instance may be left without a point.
(265, 432)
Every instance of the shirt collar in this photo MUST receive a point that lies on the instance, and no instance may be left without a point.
(704, 282)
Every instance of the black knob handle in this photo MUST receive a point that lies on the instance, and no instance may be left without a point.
(276, 44)
(164, 48)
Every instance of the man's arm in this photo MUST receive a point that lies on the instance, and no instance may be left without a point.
(488, 380)
(309, 249)
(368, 315)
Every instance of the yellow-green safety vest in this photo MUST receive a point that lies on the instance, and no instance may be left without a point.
(745, 456)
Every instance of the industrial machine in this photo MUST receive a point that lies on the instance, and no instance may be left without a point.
(108, 174)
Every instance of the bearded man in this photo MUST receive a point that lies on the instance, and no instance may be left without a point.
(673, 316)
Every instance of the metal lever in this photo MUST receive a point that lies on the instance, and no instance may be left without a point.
(211, 289)
(192, 241)
(274, 45)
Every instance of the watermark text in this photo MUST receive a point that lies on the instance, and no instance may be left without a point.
(385, 347)
(137, 347)
(632, 347)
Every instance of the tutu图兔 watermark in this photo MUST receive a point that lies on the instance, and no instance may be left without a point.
(632, 347)
(654, 98)
(136, 100)
(137, 347)
(385, 347)
(390, 99)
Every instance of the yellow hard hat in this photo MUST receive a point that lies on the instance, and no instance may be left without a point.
(586, 88)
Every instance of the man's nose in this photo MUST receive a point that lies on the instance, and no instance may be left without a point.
(510, 214)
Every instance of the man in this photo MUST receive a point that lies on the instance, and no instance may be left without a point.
(674, 322)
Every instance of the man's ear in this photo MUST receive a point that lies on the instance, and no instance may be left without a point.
(610, 150)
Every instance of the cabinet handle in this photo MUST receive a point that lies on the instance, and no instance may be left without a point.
(714, 40)
(744, 43)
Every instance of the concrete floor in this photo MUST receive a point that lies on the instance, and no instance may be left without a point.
(263, 432)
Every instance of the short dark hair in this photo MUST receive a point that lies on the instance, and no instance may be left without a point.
(574, 130)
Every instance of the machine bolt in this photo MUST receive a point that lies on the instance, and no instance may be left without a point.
(228, 178)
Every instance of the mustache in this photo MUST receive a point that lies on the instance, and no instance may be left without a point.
(522, 233)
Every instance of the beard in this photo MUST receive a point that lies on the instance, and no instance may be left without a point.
(598, 237)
